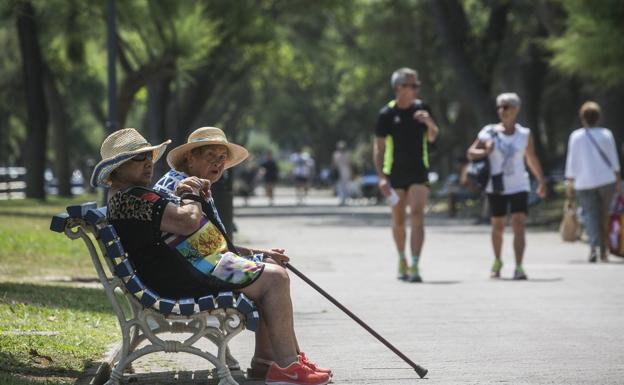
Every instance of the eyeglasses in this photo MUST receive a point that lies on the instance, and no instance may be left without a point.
(413, 86)
(143, 156)
(504, 107)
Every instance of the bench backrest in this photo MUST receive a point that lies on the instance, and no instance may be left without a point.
(88, 218)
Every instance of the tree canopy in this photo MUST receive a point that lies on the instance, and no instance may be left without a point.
(297, 72)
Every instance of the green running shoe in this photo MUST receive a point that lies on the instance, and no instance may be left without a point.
(402, 269)
(414, 274)
(496, 269)
(519, 274)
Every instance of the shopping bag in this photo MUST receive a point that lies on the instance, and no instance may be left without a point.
(478, 173)
(616, 227)
(569, 223)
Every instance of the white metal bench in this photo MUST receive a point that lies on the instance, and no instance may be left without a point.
(145, 314)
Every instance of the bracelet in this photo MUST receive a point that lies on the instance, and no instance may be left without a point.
(192, 197)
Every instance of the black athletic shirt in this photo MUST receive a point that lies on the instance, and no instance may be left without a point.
(407, 147)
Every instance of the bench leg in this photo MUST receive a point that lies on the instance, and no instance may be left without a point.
(232, 363)
(115, 377)
(225, 377)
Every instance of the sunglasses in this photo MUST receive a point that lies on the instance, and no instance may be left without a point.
(413, 86)
(504, 107)
(142, 156)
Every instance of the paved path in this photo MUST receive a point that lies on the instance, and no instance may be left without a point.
(563, 326)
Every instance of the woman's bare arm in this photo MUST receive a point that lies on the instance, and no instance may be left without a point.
(182, 220)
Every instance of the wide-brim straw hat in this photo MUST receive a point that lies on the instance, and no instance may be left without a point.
(117, 149)
(204, 136)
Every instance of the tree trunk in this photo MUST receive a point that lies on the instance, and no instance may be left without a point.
(32, 65)
(158, 99)
(60, 140)
(474, 91)
(534, 72)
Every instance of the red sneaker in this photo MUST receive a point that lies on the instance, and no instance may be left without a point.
(295, 374)
(313, 366)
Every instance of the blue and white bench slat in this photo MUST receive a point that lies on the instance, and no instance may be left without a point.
(107, 234)
(79, 211)
(148, 298)
(95, 216)
(244, 304)
(187, 306)
(225, 299)
(252, 320)
(59, 222)
(124, 269)
(165, 305)
(207, 303)
(135, 285)
(115, 250)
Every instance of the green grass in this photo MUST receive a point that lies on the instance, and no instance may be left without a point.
(49, 332)
(29, 249)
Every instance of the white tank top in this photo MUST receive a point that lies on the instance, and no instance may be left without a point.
(508, 157)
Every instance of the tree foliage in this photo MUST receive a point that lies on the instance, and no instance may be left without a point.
(591, 45)
(306, 73)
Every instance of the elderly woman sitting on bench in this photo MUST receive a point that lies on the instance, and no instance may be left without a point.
(179, 247)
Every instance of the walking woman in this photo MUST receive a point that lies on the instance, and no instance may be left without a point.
(593, 171)
(507, 145)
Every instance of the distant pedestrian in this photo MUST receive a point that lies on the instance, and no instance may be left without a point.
(341, 162)
(404, 131)
(508, 145)
(248, 178)
(270, 173)
(593, 171)
(303, 170)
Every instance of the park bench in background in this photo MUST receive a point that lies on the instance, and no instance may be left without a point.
(146, 315)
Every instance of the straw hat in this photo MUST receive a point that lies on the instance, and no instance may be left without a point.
(202, 137)
(118, 148)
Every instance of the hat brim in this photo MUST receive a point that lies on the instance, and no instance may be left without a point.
(102, 170)
(236, 153)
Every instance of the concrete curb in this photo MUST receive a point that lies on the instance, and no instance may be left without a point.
(99, 372)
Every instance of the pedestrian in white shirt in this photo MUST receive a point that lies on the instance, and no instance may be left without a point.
(593, 171)
(508, 146)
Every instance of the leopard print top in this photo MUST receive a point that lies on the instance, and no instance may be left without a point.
(127, 206)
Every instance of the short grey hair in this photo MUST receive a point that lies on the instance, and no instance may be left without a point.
(510, 98)
(401, 75)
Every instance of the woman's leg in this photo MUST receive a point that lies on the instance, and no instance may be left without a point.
(263, 349)
(498, 227)
(272, 291)
(591, 210)
(606, 195)
(517, 224)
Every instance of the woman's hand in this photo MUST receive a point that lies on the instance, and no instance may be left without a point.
(276, 256)
(193, 185)
(569, 192)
